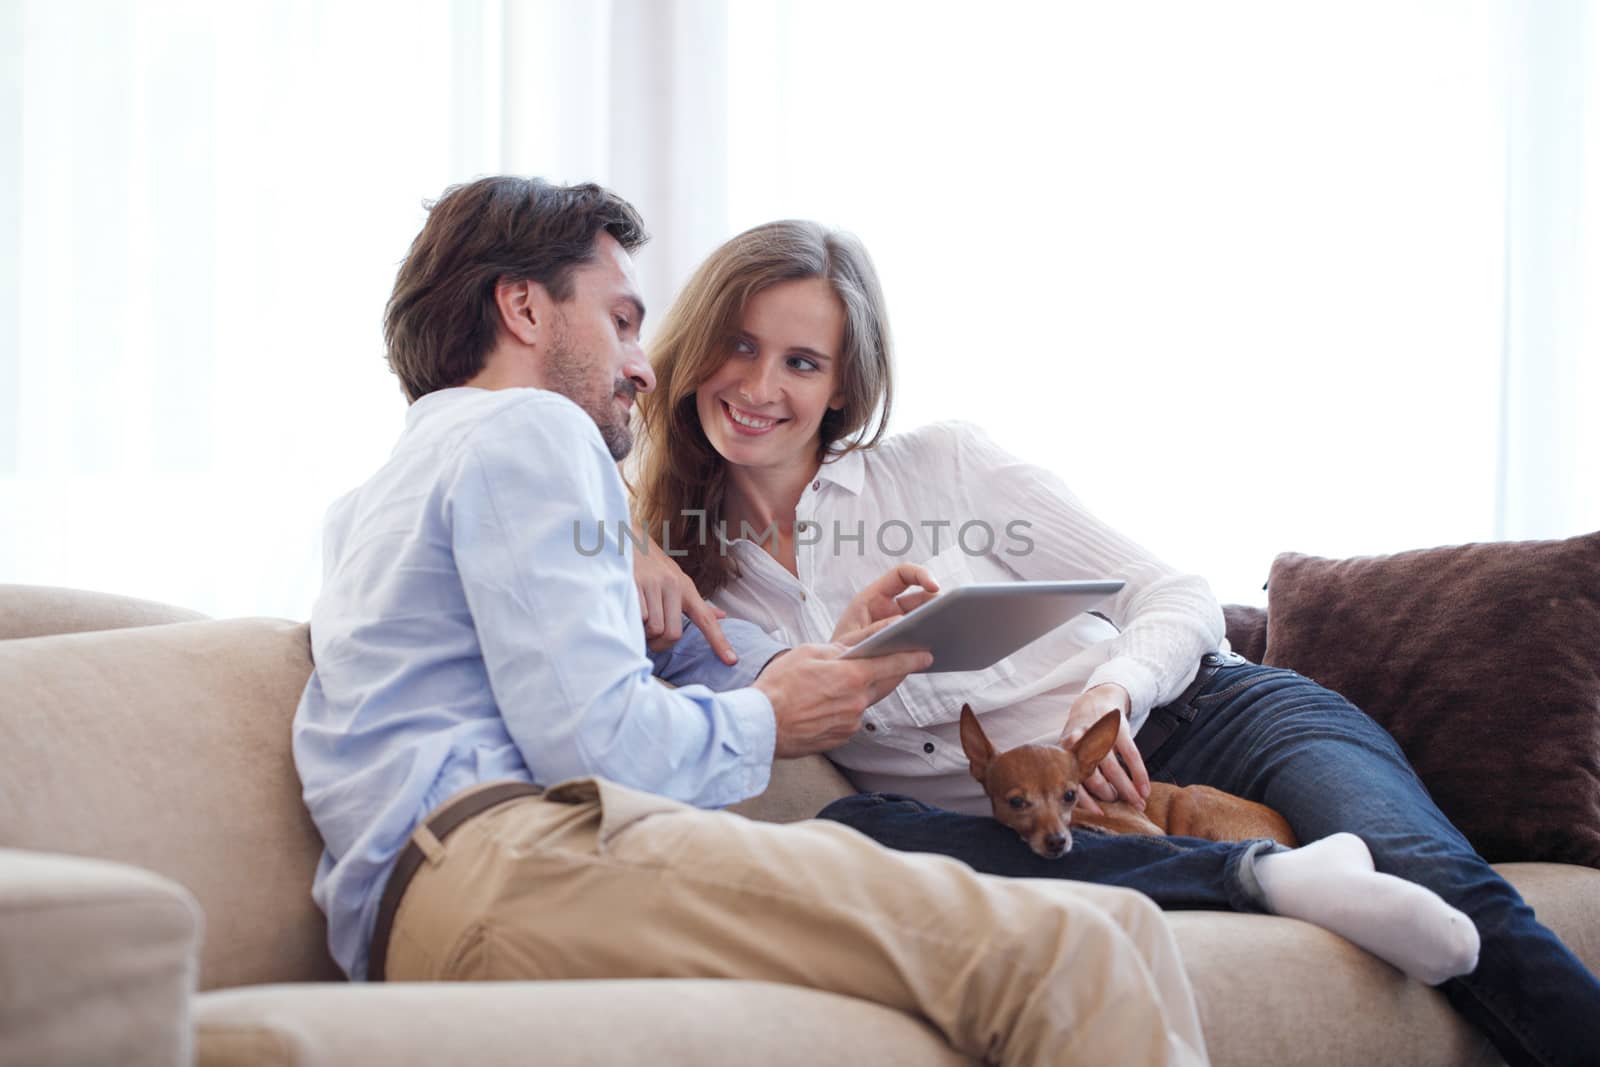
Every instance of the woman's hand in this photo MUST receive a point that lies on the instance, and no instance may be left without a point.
(1110, 781)
(666, 595)
(884, 600)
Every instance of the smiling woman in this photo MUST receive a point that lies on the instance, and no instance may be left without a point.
(779, 341)
(762, 411)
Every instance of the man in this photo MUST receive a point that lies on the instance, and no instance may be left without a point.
(469, 653)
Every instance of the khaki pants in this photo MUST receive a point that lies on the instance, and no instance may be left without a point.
(593, 880)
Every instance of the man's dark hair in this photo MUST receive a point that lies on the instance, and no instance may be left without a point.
(441, 321)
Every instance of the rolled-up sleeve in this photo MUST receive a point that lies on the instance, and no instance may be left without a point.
(692, 661)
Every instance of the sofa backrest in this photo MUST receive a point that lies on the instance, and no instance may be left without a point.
(167, 747)
(37, 610)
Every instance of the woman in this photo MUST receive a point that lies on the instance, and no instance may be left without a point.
(765, 461)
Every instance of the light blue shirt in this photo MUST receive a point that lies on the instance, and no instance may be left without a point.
(467, 632)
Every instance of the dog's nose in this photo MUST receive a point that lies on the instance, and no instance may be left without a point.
(1055, 843)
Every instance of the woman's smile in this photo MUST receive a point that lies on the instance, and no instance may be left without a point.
(748, 423)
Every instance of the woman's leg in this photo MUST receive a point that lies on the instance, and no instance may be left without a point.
(1275, 737)
(1332, 884)
(1178, 873)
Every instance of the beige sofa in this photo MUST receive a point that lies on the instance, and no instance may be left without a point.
(155, 865)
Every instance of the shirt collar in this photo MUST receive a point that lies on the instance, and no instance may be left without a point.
(847, 470)
(438, 399)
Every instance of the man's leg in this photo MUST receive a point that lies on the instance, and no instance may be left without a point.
(606, 882)
(1275, 737)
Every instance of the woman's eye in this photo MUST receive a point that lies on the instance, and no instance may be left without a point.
(1018, 802)
(801, 363)
(1070, 795)
(744, 348)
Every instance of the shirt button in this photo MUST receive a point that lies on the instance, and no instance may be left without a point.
(928, 747)
(802, 595)
(817, 484)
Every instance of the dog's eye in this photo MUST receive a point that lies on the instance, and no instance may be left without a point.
(1070, 795)
(1018, 802)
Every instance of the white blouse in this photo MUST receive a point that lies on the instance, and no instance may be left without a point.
(947, 497)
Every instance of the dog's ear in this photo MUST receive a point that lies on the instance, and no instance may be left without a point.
(1096, 741)
(975, 743)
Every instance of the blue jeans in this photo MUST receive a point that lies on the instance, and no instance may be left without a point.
(1275, 737)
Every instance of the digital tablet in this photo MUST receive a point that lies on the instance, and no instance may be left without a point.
(976, 626)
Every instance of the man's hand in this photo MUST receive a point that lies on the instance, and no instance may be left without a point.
(666, 595)
(1110, 780)
(887, 598)
(818, 698)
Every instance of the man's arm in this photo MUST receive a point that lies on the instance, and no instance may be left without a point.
(559, 628)
(691, 660)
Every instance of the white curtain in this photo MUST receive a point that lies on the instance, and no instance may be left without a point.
(202, 210)
(1550, 432)
(210, 198)
(1252, 276)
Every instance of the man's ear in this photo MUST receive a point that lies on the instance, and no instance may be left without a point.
(975, 743)
(524, 307)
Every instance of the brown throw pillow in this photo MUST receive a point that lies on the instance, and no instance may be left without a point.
(1247, 630)
(1483, 661)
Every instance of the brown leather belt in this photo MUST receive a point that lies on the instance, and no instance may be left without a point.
(439, 824)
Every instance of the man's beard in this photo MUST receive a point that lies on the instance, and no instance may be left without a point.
(570, 373)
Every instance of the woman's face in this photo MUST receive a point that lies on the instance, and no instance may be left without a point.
(764, 406)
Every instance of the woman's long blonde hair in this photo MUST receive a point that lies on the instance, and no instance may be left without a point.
(680, 475)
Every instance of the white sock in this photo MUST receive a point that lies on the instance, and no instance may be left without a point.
(1332, 883)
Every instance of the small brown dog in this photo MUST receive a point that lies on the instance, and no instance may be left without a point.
(1034, 789)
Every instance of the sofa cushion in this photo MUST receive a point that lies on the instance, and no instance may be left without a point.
(667, 1021)
(167, 747)
(37, 610)
(798, 789)
(1566, 898)
(1252, 972)
(1483, 661)
(1272, 990)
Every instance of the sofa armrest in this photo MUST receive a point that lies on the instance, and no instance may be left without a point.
(98, 962)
